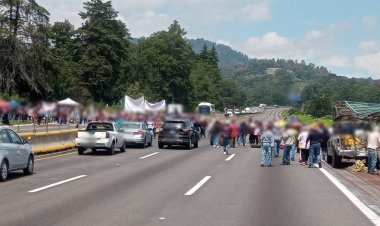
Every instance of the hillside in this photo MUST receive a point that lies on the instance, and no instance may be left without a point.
(288, 82)
(227, 56)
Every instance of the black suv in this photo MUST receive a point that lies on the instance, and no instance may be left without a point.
(178, 132)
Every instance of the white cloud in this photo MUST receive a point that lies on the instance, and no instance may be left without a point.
(336, 61)
(369, 62)
(146, 23)
(370, 46)
(258, 11)
(370, 21)
(223, 42)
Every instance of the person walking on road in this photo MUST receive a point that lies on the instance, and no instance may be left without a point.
(372, 146)
(226, 136)
(325, 138)
(304, 145)
(277, 141)
(267, 144)
(234, 133)
(315, 138)
(288, 141)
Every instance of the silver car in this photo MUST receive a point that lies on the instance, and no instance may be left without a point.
(15, 154)
(136, 133)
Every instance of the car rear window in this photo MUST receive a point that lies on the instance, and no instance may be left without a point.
(99, 127)
(175, 125)
(129, 126)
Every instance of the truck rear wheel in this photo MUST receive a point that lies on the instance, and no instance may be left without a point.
(81, 150)
(336, 160)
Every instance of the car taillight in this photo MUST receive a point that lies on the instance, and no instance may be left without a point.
(107, 135)
(139, 132)
(185, 131)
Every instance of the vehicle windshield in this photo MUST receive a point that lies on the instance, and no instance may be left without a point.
(204, 109)
(174, 125)
(99, 127)
(129, 126)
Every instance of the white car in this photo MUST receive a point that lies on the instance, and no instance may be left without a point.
(15, 154)
(100, 135)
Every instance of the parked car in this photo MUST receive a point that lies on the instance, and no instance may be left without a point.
(178, 132)
(15, 154)
(100, 135)
(136, 133)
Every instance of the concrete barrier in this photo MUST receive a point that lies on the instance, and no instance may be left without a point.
(46, 142)
(46, 138)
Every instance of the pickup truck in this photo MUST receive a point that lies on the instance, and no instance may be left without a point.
(100, 135)
(349, 141)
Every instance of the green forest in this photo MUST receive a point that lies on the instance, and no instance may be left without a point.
(100, 62)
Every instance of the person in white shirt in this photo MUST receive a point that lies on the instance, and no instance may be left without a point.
(304, 145)
(372, 146)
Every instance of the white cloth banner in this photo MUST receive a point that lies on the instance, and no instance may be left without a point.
(141, 105)
(156, 107)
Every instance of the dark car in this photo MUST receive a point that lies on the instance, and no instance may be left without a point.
(178, 132)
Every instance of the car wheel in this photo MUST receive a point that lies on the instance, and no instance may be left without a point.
(151, 142)
(111, 150)
(336, 160)
(160, 146)
(81, 150)
(30, 167)
(196, 144)
(122, 149)
(143, 145)
(3, 171)
(190, 145)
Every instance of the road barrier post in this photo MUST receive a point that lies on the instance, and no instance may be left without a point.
(18, 124)
(34, 125)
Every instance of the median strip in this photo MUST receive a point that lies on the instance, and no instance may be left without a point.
(150, 155)
(231, 157)
(56, 184)
(197, 186)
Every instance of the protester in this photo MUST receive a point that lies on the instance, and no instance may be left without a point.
(372, 146)
(288, 141)
(315, 138)
(243, 130)
(234, 133)
(277, 141)
(215, 133)
(267, 144)
(226, 136)
(325, 138)
(304, 145)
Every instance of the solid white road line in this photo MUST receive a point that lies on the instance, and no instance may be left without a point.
(147, 156)
(56, 184)
(231, 157)
(372, 216)
(197, 186)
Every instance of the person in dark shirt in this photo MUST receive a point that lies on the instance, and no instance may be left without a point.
(315, 137)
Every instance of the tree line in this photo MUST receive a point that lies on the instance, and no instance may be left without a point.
(99, 62)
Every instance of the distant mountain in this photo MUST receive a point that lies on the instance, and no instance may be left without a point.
(227, 56)
(280, 81)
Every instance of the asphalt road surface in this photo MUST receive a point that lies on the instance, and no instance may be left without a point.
(173, 187)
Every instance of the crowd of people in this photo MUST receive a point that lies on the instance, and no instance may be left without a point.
(308, 142)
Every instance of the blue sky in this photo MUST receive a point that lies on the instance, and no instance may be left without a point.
(343, 35)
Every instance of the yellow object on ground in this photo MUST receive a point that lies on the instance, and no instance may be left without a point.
(31, 134)
(358, 166)
(53, 148)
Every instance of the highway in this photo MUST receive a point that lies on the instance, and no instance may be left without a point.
(175, 187)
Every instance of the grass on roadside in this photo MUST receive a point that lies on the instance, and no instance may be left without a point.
(308, 119)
